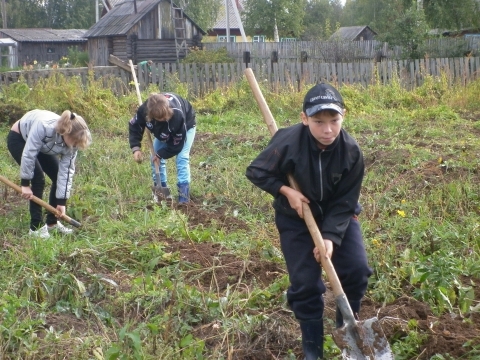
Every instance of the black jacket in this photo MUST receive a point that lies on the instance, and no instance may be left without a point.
(173, 131)
(331, 179)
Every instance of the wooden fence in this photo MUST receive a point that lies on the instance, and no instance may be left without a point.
(348, 51)
(203, 78)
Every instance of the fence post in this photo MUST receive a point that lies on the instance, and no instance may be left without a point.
(273, 58)
(303, 60)
(246, 58)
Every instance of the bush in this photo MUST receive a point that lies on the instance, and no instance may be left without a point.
(76, 57)
(202, 56)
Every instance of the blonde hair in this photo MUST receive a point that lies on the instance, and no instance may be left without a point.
(75, 127)
(158, 108)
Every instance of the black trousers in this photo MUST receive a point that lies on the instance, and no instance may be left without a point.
(305, 294)
(44, 164)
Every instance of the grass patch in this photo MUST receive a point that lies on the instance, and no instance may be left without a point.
(140, 281)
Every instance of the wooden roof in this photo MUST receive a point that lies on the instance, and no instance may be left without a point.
(349, 32)
(120, 19)
(45, 35)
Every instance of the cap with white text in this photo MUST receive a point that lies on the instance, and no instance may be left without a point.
(322, 97)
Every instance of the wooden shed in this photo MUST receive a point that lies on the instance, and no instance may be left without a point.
(44, 45)
(354, 33)
(140, 30)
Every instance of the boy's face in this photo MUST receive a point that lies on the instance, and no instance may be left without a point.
(324, 126)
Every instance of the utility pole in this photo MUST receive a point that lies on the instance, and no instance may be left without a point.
(96, 11)
(227, 18)
(4, 15)
(419, 5)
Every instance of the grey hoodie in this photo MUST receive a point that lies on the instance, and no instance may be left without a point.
(37, 128)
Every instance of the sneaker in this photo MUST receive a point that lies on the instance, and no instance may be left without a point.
(60, 228)
(41, 233)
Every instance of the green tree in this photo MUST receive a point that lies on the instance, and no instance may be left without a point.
(262, 15)
(70, 14)
(56, 14)
(410, 31)
(25, 14)
(452, 14)
(320, 17)
(203, 12)
(378, 14)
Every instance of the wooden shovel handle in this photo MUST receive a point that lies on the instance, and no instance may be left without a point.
(307, 212)
(42, 203)
(147, 132)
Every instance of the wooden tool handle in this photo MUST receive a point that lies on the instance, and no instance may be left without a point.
(147, 132)
(42, 203)
(307, 212)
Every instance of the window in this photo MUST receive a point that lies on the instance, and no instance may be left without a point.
(223, 38)
(50, 50)
(287, 39)
(259, 38)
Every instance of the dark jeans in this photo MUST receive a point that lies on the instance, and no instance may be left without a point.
(44, 164)
(306, 286)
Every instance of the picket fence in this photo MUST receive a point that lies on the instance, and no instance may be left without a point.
(204, 78)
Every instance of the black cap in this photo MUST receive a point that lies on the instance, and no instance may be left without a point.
(322, 97)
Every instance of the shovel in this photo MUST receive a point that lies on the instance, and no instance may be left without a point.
(42, 203)
(160, 191)
(358, 340)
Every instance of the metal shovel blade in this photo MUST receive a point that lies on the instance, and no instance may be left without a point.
(162, 193)
(363, 340)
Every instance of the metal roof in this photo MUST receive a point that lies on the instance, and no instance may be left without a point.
(7, 42)
(221, 22)
(120, 19)
(349, 32)
(45, 35)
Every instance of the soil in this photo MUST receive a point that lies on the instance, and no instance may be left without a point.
(446, 334)
(213, 267)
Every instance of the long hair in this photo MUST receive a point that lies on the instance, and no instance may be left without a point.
(75, 127)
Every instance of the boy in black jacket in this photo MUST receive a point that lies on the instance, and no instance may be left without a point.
(328, 165)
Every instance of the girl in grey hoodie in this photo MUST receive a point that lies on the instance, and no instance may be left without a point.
(42, 142)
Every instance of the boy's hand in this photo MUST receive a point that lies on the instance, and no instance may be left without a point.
(328, 249)
(295, 199)
(156, 161)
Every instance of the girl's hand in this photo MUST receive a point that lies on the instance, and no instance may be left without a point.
(27, 192)
(61, 210)
(295, 199)
(138, 156)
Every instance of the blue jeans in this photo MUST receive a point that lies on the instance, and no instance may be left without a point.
(183, 160)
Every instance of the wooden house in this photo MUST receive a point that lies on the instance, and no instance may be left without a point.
(44, 45)
(353, 33)
(230, 20)
(140, 30)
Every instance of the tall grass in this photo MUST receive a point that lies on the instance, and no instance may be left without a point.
(116, 290)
